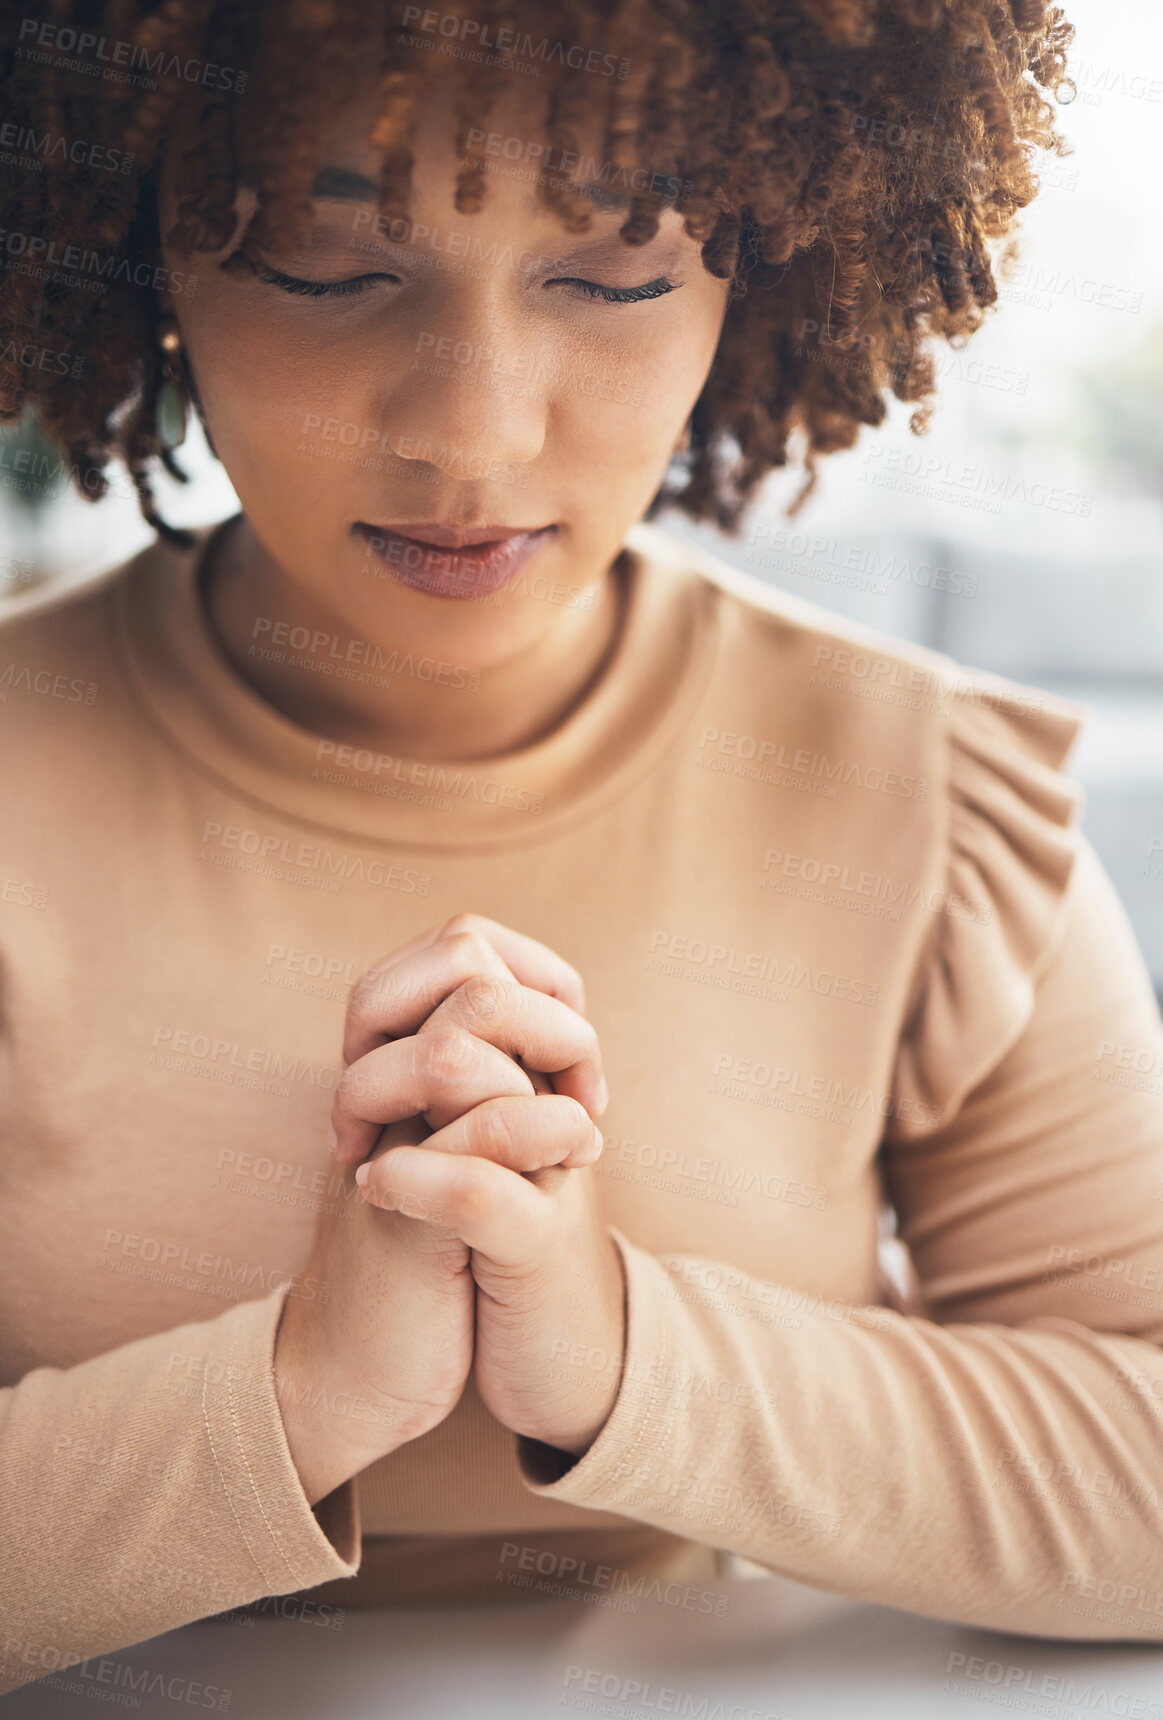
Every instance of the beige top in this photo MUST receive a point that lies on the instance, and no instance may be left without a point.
(836, 925)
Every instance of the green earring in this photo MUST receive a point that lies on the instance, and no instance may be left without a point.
(170, 418)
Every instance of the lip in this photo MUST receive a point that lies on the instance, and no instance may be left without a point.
(453, 537)
(453, 561)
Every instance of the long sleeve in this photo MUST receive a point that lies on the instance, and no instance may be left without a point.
(992, 1452)
(151, 1486)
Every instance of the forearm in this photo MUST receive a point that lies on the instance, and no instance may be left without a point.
(149, 1487)
(889, 1458)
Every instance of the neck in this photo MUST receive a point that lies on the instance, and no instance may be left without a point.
(465, 714)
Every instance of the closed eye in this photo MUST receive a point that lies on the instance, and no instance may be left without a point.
(360, 283)
(319, 289)
(619, 295)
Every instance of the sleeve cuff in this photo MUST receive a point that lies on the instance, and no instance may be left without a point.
(293, 1546)
(639, 1425)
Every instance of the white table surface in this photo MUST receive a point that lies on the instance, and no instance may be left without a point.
(778, 1650)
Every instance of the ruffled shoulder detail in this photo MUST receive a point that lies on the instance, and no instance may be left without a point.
(1012, 843)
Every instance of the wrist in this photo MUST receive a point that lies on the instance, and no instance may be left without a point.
(332, 1432)
(573, 1435)
(577, 1444)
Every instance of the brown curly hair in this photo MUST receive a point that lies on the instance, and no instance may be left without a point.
(844, 162)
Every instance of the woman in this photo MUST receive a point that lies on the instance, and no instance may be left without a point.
(433, 786)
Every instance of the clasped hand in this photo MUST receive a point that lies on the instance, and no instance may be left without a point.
(465, 1116)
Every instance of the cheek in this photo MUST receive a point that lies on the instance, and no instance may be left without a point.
(633, 389)
(259, 385)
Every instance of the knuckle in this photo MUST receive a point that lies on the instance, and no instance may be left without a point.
(445, 1054)
(490, 1131)
(482, 996)
(372, 991)
(363, 994)
(462, 923)
(471, 950)
(375, 982)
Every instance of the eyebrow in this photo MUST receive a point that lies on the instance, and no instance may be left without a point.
(342, 185)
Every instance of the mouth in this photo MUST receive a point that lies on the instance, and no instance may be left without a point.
(453, 561)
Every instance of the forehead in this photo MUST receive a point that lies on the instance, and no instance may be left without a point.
(510, 148)
(506, 130)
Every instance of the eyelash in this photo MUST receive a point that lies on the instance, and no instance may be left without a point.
(316, 289)
(347, 289)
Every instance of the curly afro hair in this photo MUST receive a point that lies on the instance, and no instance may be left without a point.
(845, 163)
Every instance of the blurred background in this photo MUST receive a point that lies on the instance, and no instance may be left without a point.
(1023, 534)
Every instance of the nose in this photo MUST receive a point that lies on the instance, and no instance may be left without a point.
(474, 397)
